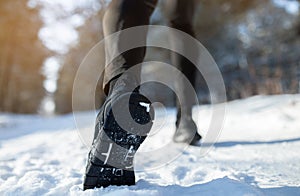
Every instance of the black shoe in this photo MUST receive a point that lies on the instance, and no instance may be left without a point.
(117, 138)
(186, 132)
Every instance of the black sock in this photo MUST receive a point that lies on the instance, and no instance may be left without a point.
(111, 85)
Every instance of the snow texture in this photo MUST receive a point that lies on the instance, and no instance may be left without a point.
(256, 154)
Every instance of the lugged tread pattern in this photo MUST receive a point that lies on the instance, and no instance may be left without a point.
(111, 157)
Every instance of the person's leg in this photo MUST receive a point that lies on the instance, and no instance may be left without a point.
(125, 118)
(123, 14)
(180, 14)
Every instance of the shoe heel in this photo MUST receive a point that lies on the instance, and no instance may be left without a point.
(111, 158)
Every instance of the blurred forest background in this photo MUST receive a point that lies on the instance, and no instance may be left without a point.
(255, 43)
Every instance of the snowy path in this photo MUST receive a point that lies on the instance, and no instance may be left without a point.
(256, 154)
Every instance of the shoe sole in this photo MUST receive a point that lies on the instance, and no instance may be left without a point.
(196, 139)
(111, 157)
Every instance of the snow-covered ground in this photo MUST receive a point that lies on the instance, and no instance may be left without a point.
(257, 153)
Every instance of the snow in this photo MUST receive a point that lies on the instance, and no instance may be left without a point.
(257, 153)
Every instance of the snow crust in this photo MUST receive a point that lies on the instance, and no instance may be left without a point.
(257, 154)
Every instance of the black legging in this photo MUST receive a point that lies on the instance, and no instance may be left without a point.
(122, 14)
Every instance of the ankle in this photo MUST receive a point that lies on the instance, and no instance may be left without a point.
(124, 83)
